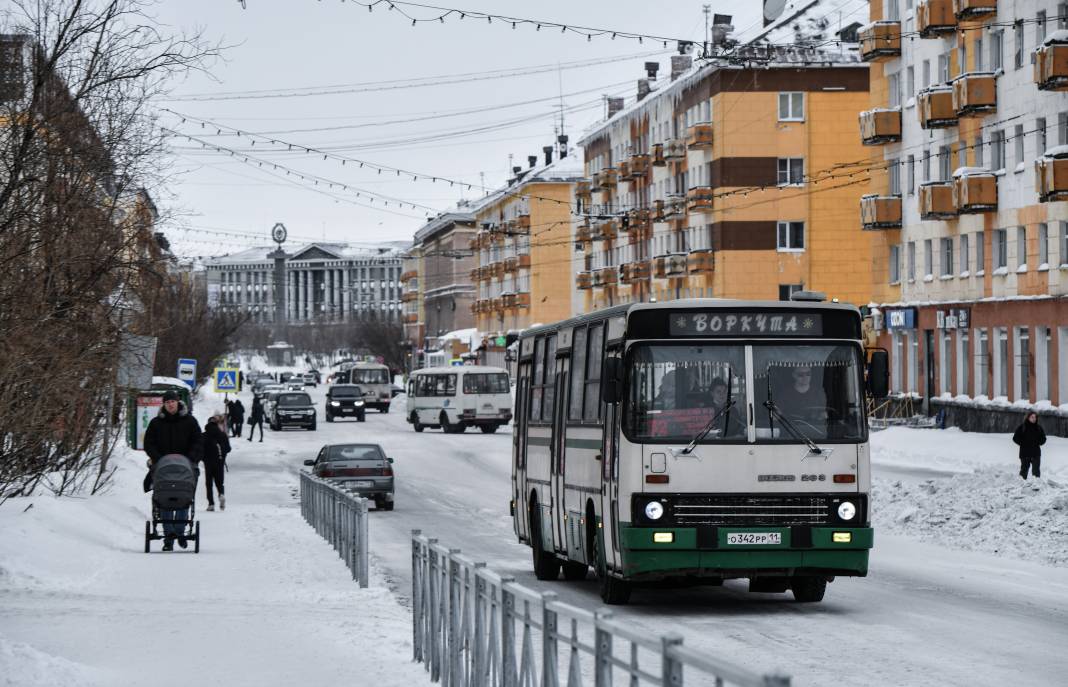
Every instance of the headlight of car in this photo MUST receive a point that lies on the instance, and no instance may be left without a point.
(335, 403)
(359, 403)
(847, 510)
(654, 510)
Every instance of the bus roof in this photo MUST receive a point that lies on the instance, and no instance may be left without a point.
(459, 368)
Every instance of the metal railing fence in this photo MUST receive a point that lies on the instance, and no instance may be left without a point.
(472, 627)
(339, 517)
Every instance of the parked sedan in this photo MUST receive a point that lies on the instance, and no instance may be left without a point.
(345, 400)
(361, 468)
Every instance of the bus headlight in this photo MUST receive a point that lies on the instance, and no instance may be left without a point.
(654, 510)
(846, 510)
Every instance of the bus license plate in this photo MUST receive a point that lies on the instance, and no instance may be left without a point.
(753, 538)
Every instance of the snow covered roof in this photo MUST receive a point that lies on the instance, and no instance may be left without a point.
(471, 337)
(1055, 37)
(971, 171)
(258, 254)
(1056, 151)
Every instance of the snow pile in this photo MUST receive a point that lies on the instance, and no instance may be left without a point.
(951, 450)
(990, 510)
(24, 665)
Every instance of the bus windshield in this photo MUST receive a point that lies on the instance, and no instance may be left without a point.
(674, 391)
(370, 376)
(814, 388)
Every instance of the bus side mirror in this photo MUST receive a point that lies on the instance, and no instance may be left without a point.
(879, 373)
(612, 380)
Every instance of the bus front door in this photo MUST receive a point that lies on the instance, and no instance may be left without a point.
(519, 448)
(558, 455)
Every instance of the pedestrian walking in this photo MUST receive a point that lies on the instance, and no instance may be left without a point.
(1030, 436)
(256, 418)
(237, 417)
(216, 448)
(173, 430)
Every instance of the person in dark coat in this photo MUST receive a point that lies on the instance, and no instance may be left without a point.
(173, 430)
(1030, 436)
(237, 417)
(216, 447)
(256, 418)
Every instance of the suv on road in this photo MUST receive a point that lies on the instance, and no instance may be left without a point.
(360, 468)
(345, 400)
(310, 379)
(292, 408)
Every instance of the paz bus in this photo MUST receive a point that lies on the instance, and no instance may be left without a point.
(695, 440)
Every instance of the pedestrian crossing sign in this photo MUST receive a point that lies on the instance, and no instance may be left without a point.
(227, 379)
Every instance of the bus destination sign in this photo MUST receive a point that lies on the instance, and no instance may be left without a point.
(721, 323)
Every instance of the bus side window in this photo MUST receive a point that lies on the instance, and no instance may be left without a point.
(592, 407)
(578, 372)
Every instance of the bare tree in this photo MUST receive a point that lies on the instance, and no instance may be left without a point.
(79, 146)
(381, 336)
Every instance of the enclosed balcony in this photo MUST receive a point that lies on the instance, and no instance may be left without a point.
(658, 155)
(674, 149)
(700, 199)
(1051, 175)
(508, 300)
(936, 200)
(975, 94)
(607, 276)
(411, 318)
(583, 232)
(639, 165)
(605, 228)
(677, 264)
(410, 274)
(880, 41)
(522, 299)
(637, 219)
(639, 270)
(935, 108)
(673, 207)
(624, 170)
(974, 9)
(409, 296)
(934, 18)
(583, 281)
(523, 260)
(699, 136)
(702, 261)
(880, 126)
(880, 212)
(1051, 63)
(511, 264)
(522, 224)
(975, 190)
(583, 189)
(607, 178)
(660, 266)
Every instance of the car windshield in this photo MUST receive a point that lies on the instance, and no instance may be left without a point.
(675, 391)
(817, 389)
(370, 376)
(345, 391)
(294, 400)
(486, 383)
(354, 452)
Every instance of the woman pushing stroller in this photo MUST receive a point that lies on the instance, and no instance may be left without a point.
(173, 431)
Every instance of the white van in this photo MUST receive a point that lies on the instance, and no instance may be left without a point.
(455, 398)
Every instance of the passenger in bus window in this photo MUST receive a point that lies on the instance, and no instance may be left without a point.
(665, 395)
(804, 398)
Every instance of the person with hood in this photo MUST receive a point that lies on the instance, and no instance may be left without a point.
(173, 430)
(237, 417)
(216, 447)
(256, 418)
(1030, 436)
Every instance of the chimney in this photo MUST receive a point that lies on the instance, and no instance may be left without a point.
(644, 88)
(548, 150)
(651, 68)
(562, 140)
(680, 64)
(532, 160)
(614, 106)
(516, 170)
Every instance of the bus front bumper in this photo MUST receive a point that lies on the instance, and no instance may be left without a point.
(661, 553)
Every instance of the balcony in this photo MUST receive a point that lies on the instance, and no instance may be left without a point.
(1051, 63)
(475, 273)
(936, 200)
(523, 260)
(1051, 176)
(522, 299)
(974, 9)
(975, 94)
(880, 126)
(638, 218)
(660, 265)
(607, 178)
(583, 189)
(511, 264)
(677, 264)
(880, 41)
(674, 149)
(624, 170)
(583, 281)
(495, 269)
(606, 275)
(658, 155)
(935, 108)
(699, 136)
(508, 300)
(639, 165)
(409, 296)
(701, 261)
(673, 207)
(496, 303)
(632, 272)
(522, 223)
(935, 18)
(410, 274)
(880, 212)
(700, 199)
(605, 228)
(411, 318)
(583, 232)
(975, 190)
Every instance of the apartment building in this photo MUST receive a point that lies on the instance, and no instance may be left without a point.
(726, 180)
(412, 304)
(967, 123)
(525, 246)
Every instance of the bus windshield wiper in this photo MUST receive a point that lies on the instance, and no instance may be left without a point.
(708, 428)
(774, 409)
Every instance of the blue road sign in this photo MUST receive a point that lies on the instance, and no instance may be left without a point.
(227, 379)
(187, 371)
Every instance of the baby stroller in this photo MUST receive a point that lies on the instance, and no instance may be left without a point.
(174, 485)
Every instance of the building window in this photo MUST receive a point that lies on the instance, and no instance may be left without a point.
(1001, 362)
(910, 83)
(1000, 249)
(910, 263)
(1040, 27)
(945, 161)
(978, 148)
(1021, 249)
(926, 166)
(1022, 379)
(928, 259)
(1062, 15)
(1040, 135)
(897, 340)
(791, 236)
(947, 257)
(1018, 146)
(1018, 38)
(980, 252)
(963, 362)
(943, 67)
(982, 363)
(792, 107)
(791, 171)
(926, 73)
(914, 359)
(787, 290)
(1064, 248)
(894, 169)
(964, 255)
(895, 264)
(1062, 128)
(997, 41)
(997, 150)
(893, 85)
(911, 167)
(945, 361)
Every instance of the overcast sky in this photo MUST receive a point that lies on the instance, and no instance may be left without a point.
(460, 131)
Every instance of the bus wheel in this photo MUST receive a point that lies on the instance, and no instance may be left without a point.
(575, 571)
(416, 425)
(614, 591)
(546, 565)
(488, 429)
(808, 589)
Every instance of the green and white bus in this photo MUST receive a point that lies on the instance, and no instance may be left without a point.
(697, 440)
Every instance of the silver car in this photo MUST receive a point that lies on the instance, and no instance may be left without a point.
(363, 469)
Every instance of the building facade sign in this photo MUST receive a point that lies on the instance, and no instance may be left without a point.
(903, 318)
(953, 318)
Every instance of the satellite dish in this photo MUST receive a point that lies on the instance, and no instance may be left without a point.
(773, 9)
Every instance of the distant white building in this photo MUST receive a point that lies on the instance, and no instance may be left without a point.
(325, 282)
